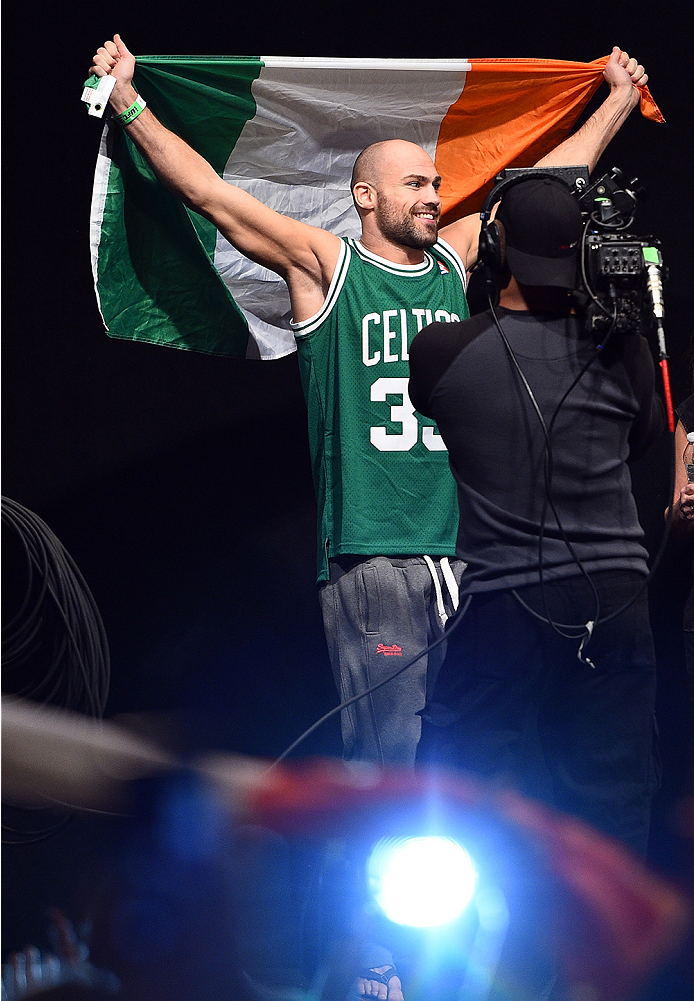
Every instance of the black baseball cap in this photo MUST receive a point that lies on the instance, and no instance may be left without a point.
(542, 225)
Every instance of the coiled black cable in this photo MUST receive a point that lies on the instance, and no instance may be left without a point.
(54, 646)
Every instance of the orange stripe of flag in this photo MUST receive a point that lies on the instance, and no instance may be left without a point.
(511, 112)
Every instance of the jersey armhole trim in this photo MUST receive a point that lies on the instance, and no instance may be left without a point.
(452, 255)
(305, 327)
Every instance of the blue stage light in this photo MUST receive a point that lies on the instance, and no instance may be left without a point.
(423, 881)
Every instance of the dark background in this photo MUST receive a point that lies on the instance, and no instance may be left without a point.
(180, 484)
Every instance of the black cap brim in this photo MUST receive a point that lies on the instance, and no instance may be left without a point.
(527, 269)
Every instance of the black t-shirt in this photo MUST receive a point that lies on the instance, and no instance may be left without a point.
(463, 376)
(685, 412)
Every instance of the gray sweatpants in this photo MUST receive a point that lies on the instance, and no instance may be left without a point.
(379, 612)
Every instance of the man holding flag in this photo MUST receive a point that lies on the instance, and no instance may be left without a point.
(386, 499)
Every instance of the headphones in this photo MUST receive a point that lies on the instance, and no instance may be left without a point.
(490, 251)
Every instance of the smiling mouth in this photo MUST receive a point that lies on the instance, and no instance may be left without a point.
(427, 216)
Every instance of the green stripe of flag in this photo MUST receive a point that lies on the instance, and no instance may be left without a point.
(155, 277)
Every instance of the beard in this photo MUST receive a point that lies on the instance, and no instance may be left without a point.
(403, 229)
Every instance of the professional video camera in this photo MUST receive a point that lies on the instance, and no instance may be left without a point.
(622, 273)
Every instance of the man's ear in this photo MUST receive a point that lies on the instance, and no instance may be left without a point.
(364, 195)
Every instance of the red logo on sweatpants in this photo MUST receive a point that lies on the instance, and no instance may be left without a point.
(389, 651)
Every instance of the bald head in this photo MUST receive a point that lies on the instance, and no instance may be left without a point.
(374, 162)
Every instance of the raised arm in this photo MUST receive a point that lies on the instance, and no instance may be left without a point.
(303, 255)
(624, 75)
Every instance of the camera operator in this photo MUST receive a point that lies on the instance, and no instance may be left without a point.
(544, 688)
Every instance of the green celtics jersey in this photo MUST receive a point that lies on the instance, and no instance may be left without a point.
(380, 469)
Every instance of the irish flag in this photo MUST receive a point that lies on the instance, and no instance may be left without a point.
(288, 130)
